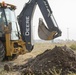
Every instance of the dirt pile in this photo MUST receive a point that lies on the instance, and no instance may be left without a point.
(59, 60)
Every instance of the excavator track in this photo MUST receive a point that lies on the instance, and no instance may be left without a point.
(2, 51)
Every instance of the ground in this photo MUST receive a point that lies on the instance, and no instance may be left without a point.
(22, 59)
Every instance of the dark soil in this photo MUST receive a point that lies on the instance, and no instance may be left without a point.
(59, 59)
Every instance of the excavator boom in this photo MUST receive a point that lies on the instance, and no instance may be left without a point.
(25, 22)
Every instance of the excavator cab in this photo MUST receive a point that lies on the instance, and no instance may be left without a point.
(8, 19)
(11, 43)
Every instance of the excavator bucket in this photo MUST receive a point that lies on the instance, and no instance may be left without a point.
(44, 33)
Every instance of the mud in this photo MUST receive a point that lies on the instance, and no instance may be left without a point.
(60, 60)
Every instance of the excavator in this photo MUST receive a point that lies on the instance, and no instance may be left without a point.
(16, 33)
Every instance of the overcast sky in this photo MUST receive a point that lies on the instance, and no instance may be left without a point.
(64, 12)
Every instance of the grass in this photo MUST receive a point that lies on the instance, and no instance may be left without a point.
(73, 46)
(54, 71)
(71, 73)
(9, 73)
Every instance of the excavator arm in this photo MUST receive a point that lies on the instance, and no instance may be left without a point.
(25, 22)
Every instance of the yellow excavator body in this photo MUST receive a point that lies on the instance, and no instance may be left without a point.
(9, 47)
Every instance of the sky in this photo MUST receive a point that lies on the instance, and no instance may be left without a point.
(64, 12)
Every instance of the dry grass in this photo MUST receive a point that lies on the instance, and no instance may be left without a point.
(71, 73)
(73, 46)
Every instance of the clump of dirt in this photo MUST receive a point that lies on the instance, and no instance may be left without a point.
(58, 60)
